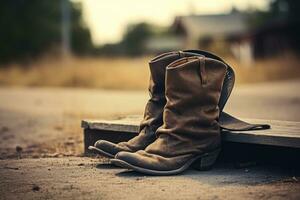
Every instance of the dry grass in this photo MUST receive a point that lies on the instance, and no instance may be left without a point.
(281, 68)
(116, 73)
(127, 73)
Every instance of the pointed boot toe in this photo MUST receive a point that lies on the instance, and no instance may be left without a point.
(106, 148)
(124, 159)
(152, 164)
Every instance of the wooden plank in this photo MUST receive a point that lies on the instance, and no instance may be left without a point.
(129, 124)
(282, 133)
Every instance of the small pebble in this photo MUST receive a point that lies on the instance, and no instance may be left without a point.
(19, 149)
(35, 188)
(4, 129)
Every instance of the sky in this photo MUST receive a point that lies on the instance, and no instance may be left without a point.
(107, 19)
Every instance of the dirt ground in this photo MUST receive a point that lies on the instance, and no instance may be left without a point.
(41, 148)
(85, 178)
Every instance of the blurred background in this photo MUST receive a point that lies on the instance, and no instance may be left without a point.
(65, 60)
(107, 44)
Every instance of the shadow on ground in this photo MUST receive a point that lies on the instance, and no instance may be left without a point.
(227, 174)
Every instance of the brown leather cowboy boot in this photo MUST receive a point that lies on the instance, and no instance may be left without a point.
(190, 132)
(153, 111)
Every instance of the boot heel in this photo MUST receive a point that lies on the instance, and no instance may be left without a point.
(206, 161)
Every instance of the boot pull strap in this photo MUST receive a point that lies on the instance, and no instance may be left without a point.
(202, 70)
(230, 123)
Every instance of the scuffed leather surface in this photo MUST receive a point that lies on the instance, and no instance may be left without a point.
(110, 147)
(165, 163)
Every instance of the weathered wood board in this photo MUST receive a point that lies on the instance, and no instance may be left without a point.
(281, 134)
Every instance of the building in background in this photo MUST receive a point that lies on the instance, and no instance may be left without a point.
(229, 34)
(197, 29)
(219, 33)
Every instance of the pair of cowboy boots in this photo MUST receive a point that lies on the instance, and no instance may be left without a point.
(180, 126)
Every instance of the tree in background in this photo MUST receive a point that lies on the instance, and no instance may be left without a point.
(281, 21)
(31, 28)
(287, 10)
(134, 39)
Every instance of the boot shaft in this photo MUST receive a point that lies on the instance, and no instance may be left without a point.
(158, 67)
(154, 108)
(193, 89)
(195, 82)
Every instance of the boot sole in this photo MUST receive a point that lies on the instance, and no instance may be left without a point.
(200, 162)
(101, 152)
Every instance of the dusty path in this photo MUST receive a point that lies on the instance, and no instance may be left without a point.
(85, 178)
(45, 125)
(46, 122)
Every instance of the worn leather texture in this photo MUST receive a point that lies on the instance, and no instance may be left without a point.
(154, 107)
(190, 118)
